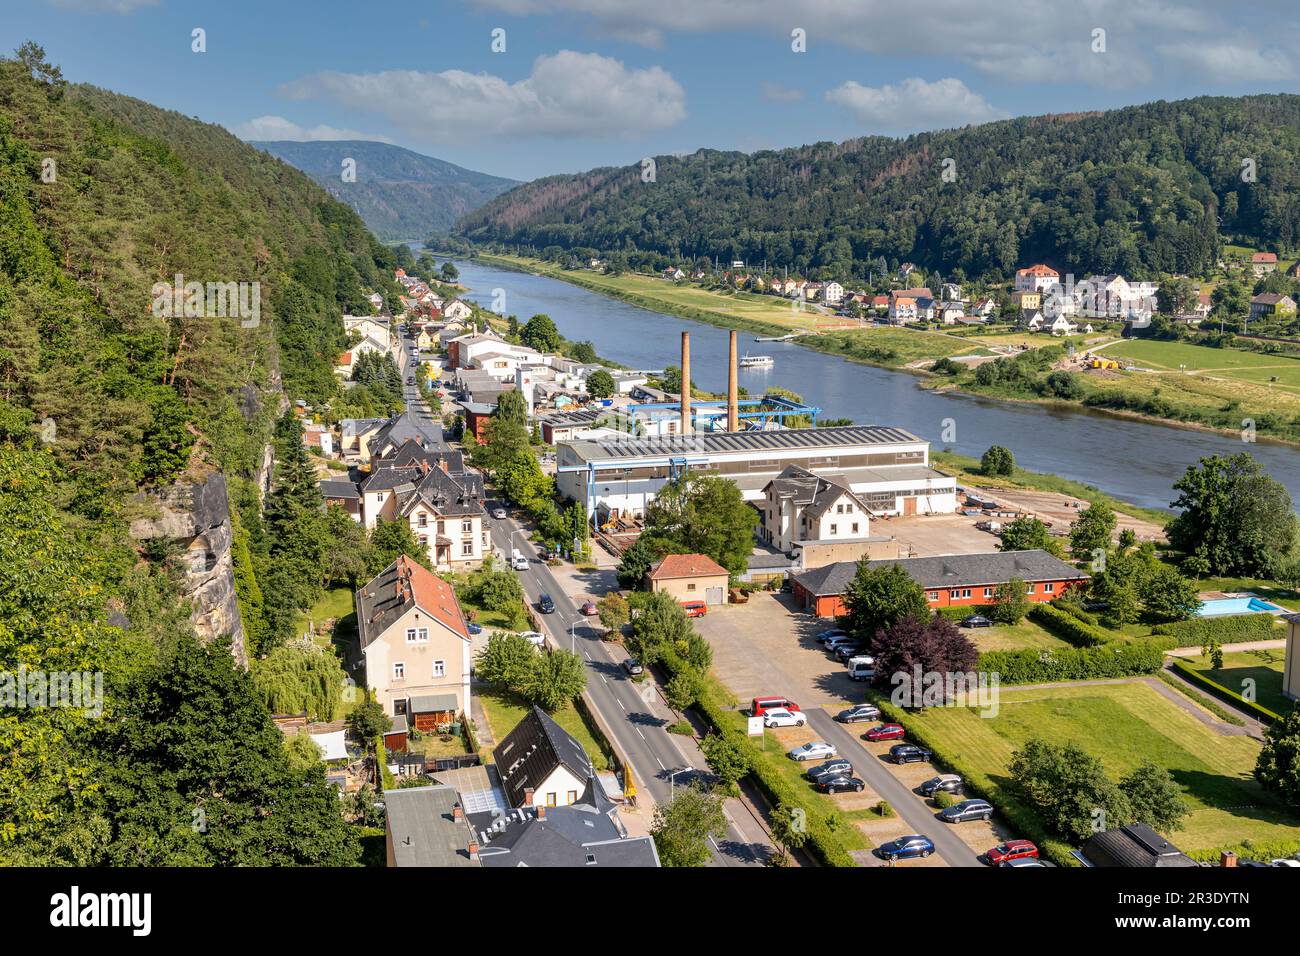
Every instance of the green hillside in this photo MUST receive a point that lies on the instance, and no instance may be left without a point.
(1139, 190)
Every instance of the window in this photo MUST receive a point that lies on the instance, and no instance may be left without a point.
(1049, 587)
(417, 635)
(399, 670)
(423, 540)
(550, 799)
(855, 527)
(467, 549)
(380, 497)
(439, 668)
(958, 593)
(932, 596)
(422, 521)
(988, 592)
(839, 509)
(573, 796)
(690, 585)
(834, 528)
(1029, 588)
(467, 526)
(442, 527)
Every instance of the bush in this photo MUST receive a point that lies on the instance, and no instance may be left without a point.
(682, 728)
(883, 809)
(1068, 627)
(943, 799)
(1226, 630)
(1117, 659)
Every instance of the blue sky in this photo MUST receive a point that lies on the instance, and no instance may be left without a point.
(585, 83)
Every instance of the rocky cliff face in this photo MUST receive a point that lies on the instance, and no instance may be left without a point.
(196, 515)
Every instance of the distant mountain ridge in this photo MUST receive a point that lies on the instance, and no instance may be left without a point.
(1140, 190)
(401, 195)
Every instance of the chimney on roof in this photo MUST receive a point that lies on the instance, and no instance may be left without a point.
(686, 428)
(424, 466)
(442, 463)
(733, 391)
(528, 796)
(473, 849)
(1227, 858)
(457, 812)
(541, 811)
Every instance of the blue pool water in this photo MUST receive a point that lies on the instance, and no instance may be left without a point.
(1247, 605)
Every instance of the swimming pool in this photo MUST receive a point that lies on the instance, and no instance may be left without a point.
(1219, 607)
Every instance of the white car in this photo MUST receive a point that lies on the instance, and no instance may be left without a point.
(780, 717)
(1285, 862)
(816, 750)
(536, 638)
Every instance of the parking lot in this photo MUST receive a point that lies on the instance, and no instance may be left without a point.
(921, 536)
(768, 647)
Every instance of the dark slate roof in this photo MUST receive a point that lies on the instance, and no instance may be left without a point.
(950, 571)
(1134, 845)
(339, 488)
(586, 833)
(532, 751)
(423, 829)
(384, 478)
(455, 497)
(714, 443)
(814, 492)
(1293, 618)
(411, 452)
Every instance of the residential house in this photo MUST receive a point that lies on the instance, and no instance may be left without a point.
(1037, 278)
(457, 310)
(1271, 305)
(675, 274)
(1135, 845)
(427, 826)
(1027, 300)
(1113, 296)
(956, 580)
(983, 308)
(376, 301)
(690, 577)
(587, 832)
(415, 643)
(911, 305)
(833, 293)
(348, 360)
(798, 506)
(541, 764)
(367, 326)
(1262, 263)
(952, 292)
(342, 493)
(951, 312)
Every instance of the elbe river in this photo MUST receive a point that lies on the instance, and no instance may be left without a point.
(1133, 460)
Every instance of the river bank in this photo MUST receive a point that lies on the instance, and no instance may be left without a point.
(1200, 403)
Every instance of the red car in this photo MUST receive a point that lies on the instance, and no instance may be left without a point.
(695, 608)
(884, 732)
(1011, 850)
(590, 609)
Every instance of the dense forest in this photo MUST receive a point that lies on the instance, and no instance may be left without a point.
(402, 195)
(1141, 190)
(104, 394)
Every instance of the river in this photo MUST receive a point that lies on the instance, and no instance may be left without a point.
(1133, 460)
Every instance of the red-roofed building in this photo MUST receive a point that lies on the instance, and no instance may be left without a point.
(1263, 262)
(690, 577)
(416, 645)
(1037, 278)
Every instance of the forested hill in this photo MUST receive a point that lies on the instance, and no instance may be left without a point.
(103, 395)
(1138, 190)
(401, 195)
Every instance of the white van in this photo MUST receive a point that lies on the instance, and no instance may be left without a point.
(862, 667)
(517, 560)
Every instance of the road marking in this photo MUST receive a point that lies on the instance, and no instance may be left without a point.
(661, 764)
(641, 735)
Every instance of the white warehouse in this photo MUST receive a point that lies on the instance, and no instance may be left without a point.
(888, 468)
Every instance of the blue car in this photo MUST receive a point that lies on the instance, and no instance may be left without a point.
(474, 628)
(906, 847)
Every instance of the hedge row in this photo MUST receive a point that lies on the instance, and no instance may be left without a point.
(1232, 697)
(1209, 703)
(822, 843)
(1032, 666)
(1022, 818)
(1233, 629)
(1068, 627)
(1251, 850)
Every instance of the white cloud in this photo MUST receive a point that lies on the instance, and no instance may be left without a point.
(913, 104)
(103, 6)
(1019, 41)
(780, 94)
(567, 94)
(277, 127)
(1231, 61)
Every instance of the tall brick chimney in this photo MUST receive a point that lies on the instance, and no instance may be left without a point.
(733, 388)
(528, 796)
(1227, 858)
(686, 384)
(541, 811)
(473, 850)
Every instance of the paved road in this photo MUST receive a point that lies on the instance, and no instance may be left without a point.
(867, 765)
(633, 712)
(428, 424)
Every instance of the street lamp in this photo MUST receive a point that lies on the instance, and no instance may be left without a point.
(672, 781)
(573, 636)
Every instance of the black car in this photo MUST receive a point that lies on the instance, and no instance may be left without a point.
(860, 712)
(908, 753)
(410, 380)
(976, 620)
(831, 768)
(839, 783)
(845, 651)
(545, 604)
(947, 782)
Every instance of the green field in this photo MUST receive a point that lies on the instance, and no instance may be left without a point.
(1124, 724)
(1227, 363)
(1015, 637)
(1263, 666)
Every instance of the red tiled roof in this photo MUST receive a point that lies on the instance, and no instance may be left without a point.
(686, 566)
(345, 359)
(1264, 257)
(1037, 270)
(434, 595)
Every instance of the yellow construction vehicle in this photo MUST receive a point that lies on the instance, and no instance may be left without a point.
(1103, 363)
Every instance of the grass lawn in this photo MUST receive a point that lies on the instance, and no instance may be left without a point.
(504, 710)
(1124, 724)
(432, 745)
(1015, 637)
(1264, 667)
